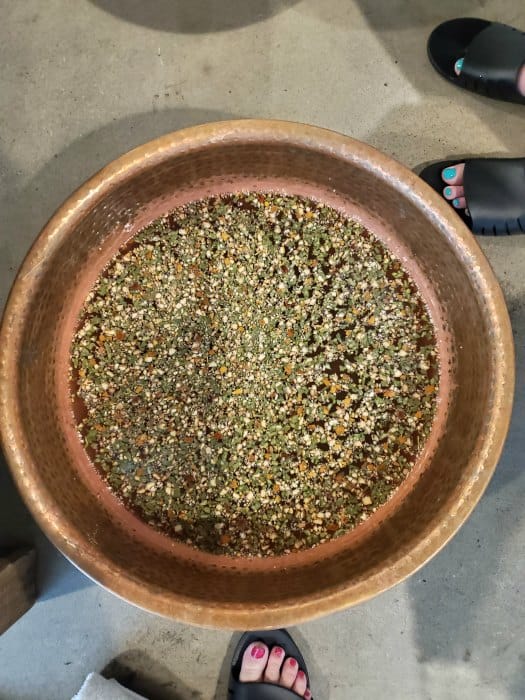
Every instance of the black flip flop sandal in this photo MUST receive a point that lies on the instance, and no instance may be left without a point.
(493, 55)
(263, 691)
(494, 190)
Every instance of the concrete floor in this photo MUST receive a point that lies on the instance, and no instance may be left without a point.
(83, 82)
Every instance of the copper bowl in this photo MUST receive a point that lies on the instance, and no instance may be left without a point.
(90, 526)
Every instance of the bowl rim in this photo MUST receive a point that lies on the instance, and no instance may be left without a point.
(71, 542)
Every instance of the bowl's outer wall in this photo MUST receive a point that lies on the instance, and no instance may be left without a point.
(76, 510)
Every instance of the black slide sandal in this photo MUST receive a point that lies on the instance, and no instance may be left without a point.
(263, 691)
(494, 190)
(493, 53)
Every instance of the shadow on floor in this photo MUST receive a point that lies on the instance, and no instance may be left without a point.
(456, 596)
(136, 671)
(398, 15)
(57, 576)
(194, 16)
(27, 206)
(403, 27)
(399, 136)
(221, 691)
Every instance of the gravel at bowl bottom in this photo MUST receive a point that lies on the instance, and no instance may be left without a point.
(257, 374)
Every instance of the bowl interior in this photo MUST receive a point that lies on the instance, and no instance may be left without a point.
(108, 542)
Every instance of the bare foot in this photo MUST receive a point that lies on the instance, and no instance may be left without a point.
(458, 66)
(259, 664)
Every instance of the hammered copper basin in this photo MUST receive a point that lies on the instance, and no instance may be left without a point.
(111, 545)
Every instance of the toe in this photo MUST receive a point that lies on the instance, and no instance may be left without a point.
(452, 191)
(459, 203)
(453, 174)
(307, 694)
(521, 81)
(273, 667)
(289, 672)
(299, 686)
(253, 663)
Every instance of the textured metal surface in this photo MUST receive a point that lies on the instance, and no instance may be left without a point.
(80, 515)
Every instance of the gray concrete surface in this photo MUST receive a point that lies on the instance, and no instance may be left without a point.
(84, 81)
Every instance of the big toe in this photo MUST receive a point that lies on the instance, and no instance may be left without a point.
(254, 662)
(453, 174)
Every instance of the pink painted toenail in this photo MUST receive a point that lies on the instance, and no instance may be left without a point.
(278, 651)
(307, 695)
(300, 675)
(293, 663)
(258, 652)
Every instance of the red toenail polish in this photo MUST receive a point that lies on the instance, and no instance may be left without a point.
(293, 663)
(307, 695)
(278, 651)
(257, 652)
(300, 675)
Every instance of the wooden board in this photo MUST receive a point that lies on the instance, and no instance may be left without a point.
(17, 585)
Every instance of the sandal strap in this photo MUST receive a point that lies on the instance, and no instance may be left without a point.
(495, 194)
(261, 691)
(493, 61)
